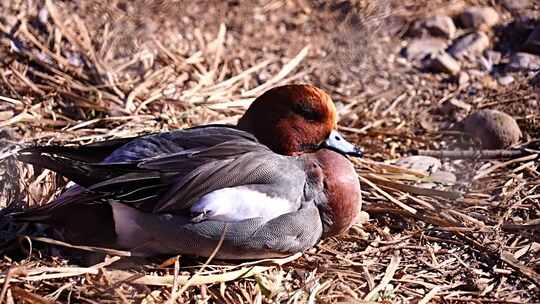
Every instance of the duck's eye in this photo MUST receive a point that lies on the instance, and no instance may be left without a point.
(306, 111)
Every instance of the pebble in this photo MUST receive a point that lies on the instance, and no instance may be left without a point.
(361, 218)
(493, 56)
(469, 44)
(420, 163)
(43, 15)
(418, 49)
(524, 61)
(445, 63)
(439, 26)
(443, 177)
(505, 80)
(532, 45)
(516, 4)
(479, 18)
(493, 129)
(463, 78)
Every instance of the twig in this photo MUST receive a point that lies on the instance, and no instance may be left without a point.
(29, 297)
(388, 275)
(405, 207)
(491, 169)
(468, 154)
(210, 258)
(287, 68)
(85, 248)
(528, 272)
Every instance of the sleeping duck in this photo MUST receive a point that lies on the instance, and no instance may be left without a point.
(271, 186)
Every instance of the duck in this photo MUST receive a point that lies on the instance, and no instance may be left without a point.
(273, 185)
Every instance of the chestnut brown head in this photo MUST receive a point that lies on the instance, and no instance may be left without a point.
(294, 119)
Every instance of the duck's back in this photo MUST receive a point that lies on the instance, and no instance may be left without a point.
(192, 139)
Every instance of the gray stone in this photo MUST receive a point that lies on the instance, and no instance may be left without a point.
(420, 163)
(361, 218)
(463, 78)
(439, 26)
(493, 56)
(532, 45)
(420, 48)
(505, 80)
(516, 4)
(445, 63)
(443, 177)
(470, 44)
(479, 18)
(524, 62)
(493, 129)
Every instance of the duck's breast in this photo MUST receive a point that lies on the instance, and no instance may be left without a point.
(240, 203)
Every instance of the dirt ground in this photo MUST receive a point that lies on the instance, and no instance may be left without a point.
(75, 72)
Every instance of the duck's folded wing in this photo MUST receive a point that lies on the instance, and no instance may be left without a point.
(187, 176)
(84, 164)
(173, 182)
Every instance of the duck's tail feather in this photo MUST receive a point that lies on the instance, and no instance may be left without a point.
(90, 153)
(71, 163)
(78, 216)
(75, 195)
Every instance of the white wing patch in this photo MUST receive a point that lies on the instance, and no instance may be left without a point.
(239, 203)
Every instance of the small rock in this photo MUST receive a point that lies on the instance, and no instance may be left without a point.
(43, 15)
(445, 63)
(485, 63)
(488, 82)
(479, 18)
(403, 62)
(532, 45)
(75, 59)
(443, 177)
(420, 163)
(493, 129)
(469, 44)
(476, 73)
(361, 218)
(439, 26)
(505, 80)
(524, 61)
(490, 59)
(418, 49)
(463, 78)
(493, 56)
(516, 4)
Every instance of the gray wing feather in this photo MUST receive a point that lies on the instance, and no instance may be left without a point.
(166, 143)
(264, 171)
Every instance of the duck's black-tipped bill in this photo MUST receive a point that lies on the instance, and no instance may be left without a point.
(338, 143)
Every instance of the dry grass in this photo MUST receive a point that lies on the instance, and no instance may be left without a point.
(78, 73)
